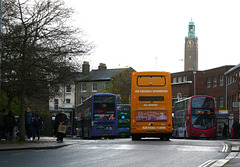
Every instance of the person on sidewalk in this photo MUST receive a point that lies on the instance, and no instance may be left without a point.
(235, 129)
(29, 123)
(10, 124)
(37, 126)
(3, 124)
(60, 118)
(225, 131)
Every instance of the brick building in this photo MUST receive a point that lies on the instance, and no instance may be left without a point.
(233, 91)
(210, 82)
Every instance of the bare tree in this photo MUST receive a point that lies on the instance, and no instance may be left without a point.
(38, 45)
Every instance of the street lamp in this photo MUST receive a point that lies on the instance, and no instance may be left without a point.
(194, 78)
(194, 86)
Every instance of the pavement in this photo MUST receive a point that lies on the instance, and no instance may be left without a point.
(232, 160)
(43, 143)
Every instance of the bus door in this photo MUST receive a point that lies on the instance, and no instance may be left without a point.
(188, 122)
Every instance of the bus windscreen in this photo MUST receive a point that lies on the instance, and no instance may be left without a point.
(202, 102)
(104, 108)
(202, 112)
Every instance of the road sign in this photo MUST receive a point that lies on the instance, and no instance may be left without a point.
(223, 111)
(67, 106)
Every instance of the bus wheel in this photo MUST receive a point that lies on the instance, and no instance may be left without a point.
(167, 138)
(136, 138)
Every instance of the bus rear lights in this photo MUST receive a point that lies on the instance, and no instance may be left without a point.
(133, 120)
(134, 96)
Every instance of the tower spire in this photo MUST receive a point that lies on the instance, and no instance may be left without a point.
(191, 29)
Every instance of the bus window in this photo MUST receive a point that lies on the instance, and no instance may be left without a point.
(151, 81)
(202, 102)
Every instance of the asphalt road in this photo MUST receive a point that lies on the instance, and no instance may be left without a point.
(122, 152)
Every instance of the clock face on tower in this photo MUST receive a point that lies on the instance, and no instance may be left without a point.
(190, 43)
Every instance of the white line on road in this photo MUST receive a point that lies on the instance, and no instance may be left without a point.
(207, 163)
(225, 147)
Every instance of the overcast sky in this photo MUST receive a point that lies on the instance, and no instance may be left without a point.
(149, 35)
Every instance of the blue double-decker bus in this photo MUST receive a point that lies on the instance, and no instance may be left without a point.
(98, 117)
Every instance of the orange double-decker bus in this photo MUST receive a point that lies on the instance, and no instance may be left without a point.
(151, 105)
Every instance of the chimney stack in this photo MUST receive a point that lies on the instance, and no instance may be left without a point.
(85, 68)
(102, 66)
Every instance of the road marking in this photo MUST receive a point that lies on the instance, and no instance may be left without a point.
(220, 162)
(225, 147)
(17, 154)
(207, 163)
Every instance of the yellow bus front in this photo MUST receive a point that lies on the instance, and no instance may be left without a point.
(151, 105)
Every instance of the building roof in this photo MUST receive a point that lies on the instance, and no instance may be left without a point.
(100, 75)
(232, 69)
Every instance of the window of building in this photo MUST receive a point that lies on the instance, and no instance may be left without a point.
(179, 79)
(221, 80)
(184, 78)
(105, 86)
(55, 104)
(208, 82)
(68, 88)
(83, 87)
(68, 100)
(174, 80)
(221, 101)
(215, 101)
(94, 87)
(214, 81)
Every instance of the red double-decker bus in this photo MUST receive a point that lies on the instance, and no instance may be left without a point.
(194, 117)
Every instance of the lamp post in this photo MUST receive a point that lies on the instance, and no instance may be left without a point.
(194, 86)
(194, 78)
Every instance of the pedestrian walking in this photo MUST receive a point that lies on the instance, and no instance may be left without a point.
(60, 119)
(235, 129)
(10, 124)
(29, 123)
(3, 124)
(225, 131)
(37, 126)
